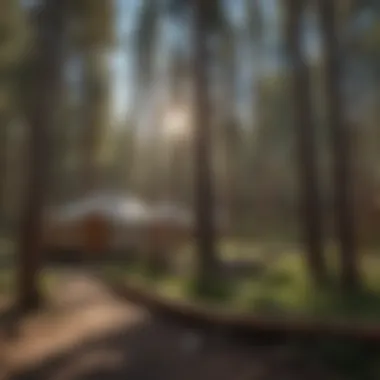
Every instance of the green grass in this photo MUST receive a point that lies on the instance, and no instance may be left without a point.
(284, 289)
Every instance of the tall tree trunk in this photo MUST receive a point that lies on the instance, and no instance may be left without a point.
(230, 122)
(204, 197)
(42, 88)
(340, 144)
(311, 218)
(95, 38)
(179, 182)
(145, 43)
(177, 170)
(96, 115)
(4, 130)
(255, 35)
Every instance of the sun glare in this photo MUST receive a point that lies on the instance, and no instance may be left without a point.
(177, 123)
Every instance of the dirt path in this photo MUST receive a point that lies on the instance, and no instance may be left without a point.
(86, 333)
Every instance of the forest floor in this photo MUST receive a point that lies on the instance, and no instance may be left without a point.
(86, 333)
(261, 278)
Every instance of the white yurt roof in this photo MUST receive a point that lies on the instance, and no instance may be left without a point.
(127, 209)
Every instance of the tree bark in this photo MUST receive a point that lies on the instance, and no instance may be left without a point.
(310, 205)
(230, 124)
(43, 85)
(340, 144)
(96, 114)
(4, 128)
(204, 195)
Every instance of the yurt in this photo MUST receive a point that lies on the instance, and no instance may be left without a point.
(95, 226)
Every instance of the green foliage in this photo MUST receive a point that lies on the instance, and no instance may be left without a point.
(255, 20)
(15, 39)
(215, 291)
(145, 42)
(14, 34)
(281, 288)
(212, 9)
(92, 22)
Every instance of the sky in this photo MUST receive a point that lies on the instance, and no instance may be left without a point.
(271, 57)
(122, 68)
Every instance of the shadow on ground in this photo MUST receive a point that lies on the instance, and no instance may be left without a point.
(157, 351)
(90, 335)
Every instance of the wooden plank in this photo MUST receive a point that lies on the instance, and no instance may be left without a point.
(233, 322)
